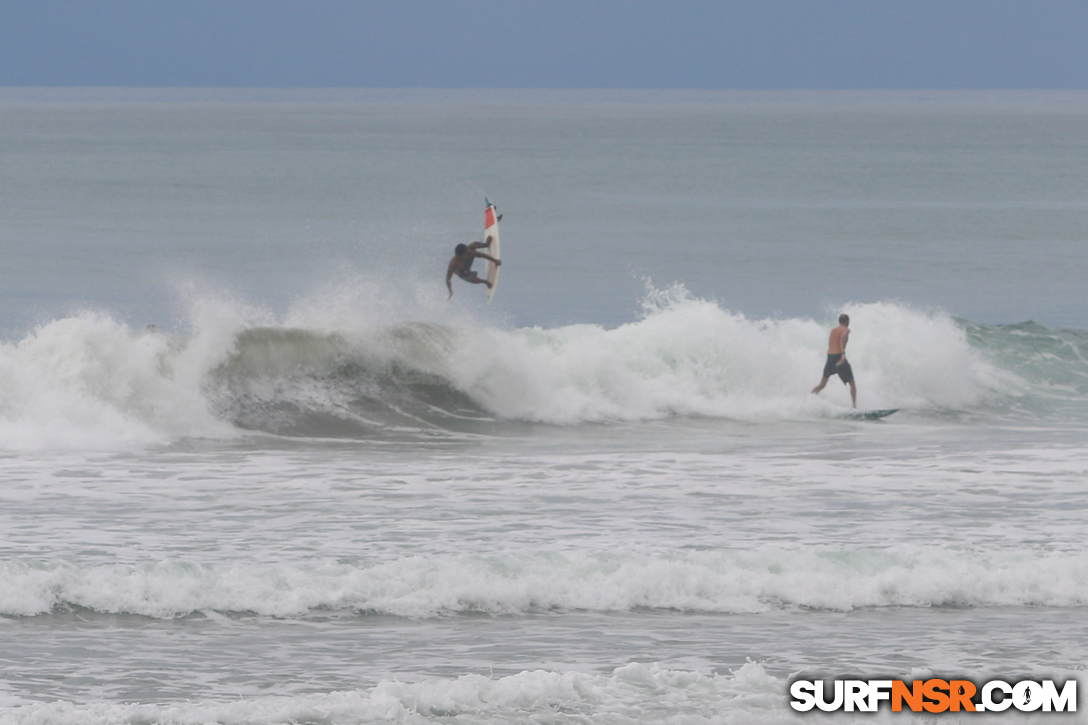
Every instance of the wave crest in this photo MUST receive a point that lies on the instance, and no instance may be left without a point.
(88, 381)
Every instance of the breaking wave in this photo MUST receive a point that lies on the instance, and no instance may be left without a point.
(722, 581)
(633, 693)
(90, 381)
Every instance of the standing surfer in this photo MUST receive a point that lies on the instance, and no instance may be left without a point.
(836, 359)
(461, 264)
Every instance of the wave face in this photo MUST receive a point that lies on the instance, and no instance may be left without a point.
(303, 383)
(91, 381)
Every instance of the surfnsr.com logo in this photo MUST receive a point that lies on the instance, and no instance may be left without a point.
(934, 695)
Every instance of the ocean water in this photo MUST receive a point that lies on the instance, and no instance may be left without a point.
(255, 468)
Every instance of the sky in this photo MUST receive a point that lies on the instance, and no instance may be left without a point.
(681, 44)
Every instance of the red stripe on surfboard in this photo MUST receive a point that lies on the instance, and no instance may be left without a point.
(489, 217)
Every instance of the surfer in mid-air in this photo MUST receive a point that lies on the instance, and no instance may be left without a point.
(836, 359)
(461, 264)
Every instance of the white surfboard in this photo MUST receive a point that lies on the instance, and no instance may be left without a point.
(491, 229)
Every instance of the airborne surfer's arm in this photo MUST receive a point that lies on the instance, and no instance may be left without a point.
(488, 257)
(449, 276)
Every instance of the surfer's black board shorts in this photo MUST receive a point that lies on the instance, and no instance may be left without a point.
(467, 274)
(832, 367)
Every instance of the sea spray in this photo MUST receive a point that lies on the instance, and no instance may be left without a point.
(689, 356)
(89, 381)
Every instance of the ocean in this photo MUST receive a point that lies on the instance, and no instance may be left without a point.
(256, 468)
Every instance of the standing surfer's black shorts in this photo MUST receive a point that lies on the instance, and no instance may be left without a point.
(832, 367)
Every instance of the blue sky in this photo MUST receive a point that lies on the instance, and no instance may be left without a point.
(727, 44)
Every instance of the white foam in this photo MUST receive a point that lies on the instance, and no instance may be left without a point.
(633, 693)
(685, 356)
(88, 381)
(688, 356)
(423, 586)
